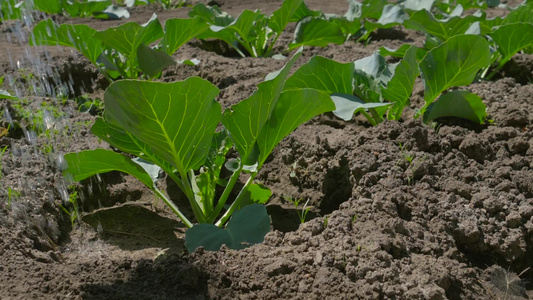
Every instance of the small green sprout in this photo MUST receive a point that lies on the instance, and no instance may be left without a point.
(302, 213)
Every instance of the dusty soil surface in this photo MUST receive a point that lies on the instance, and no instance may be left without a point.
(400, 211)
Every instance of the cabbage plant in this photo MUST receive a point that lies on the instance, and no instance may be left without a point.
(172, 127)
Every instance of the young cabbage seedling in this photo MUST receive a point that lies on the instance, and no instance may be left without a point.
(172, 127)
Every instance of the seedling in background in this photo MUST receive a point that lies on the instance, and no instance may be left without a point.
(252, 31)
(189, 150)
(302, 212)
(122, 51)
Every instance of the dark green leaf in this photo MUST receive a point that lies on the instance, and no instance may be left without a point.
(282, 16)
(454, 63)
(180, 31)
(461, 104)
(245, 120)
(401, 85)
(423, 20)
(47, 32)
(152, 62)
(176, 120)
(512, 38)
(84, 164)
(324, 75)
(247, 226)
(126, 38)
(317, 32)
(347, 105)
(293, 108)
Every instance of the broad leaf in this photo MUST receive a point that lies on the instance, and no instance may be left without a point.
(522, 14)
(392, 15)
(423, 20)
(400, 87)
(512, 38)
(461, 104)
(126, 38)
(400, 52)
(50, 6)
(303, 12)
(317, 32)
(293, 108)
(6, 95)
(84, 164)
(246, 119)
(176, 120)
(373, 9)
(347, 105)
(84, 8)
(211, 14)
(246, 227)
(209, 177)
(180, 31)
(376, 67)
(152, 62)
(255, 193)
(282, 16)
(417, 4)
(323, 74)
(454, 63)
(47, 32)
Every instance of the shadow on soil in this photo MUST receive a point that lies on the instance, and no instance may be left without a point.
(134, 227)
(167, 277)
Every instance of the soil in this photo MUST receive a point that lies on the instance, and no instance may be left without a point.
(402, 210)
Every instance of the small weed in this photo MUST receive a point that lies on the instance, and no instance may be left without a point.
(414, 163)
(302, 213)
(12, 194)
(74, 212)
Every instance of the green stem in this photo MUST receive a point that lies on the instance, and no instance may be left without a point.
(224, 197)
(235, 203)
(369, 117)
(173, 206)
(200, 217)
(496, 70)
(267, 53)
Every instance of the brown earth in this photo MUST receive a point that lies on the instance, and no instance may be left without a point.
(402, 210)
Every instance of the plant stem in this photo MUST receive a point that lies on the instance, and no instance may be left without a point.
(174, 208)
(235, 203)
(224, 197)
(200, 217)
(369, 117)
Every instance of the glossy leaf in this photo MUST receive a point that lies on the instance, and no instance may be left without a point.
(400, 87)
(176, 120)
(84, 8)
(317, 32)
(347, 105)
(293, 108)
(423, 20)
(84, 164)
(454, 63)
(47, 32)
(417, 4)
(126, 38)
(512, 38)
(6, 95)
(391, 16)
(180, 31)
(152, 62)
(323, 74)
(246, 119)
(246, 227)
(461, 104)
(282, 16)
